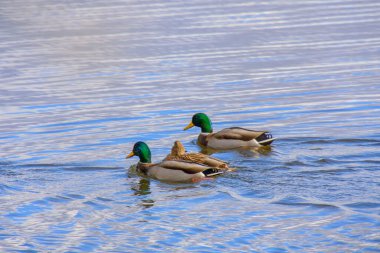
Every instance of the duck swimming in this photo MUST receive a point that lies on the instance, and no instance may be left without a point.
(228, 138)
(171, 170)
(178, 152)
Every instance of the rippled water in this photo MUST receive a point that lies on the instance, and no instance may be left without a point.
(81, 81)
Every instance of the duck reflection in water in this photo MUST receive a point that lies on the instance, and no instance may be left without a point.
(245, 151)
(142, 188)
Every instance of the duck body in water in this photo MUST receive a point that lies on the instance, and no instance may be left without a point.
(178, 171)
(178, 152)
(228, 138)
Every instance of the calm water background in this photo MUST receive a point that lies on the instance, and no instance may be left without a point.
(81, 81)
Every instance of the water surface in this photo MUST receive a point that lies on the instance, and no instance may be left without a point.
(81, 81)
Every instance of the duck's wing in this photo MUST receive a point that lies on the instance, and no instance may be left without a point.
(238, 133)
(205, 159)
(185, 166)
(199, 158)
(194, 157)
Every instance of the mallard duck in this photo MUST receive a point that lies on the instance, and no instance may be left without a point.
(178, 152)
(172, 171)
(228, 138)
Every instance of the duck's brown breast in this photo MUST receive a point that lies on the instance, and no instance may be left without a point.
(202, 140)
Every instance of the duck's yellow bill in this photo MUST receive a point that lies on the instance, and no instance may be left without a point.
(190, 125)
(130, 155)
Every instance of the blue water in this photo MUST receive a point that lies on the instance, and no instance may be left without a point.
(81, 81)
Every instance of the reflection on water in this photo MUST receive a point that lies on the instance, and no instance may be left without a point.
(244, 151)
(82, 81)
(143, 187)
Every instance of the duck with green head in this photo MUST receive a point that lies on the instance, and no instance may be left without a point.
(228, 138)
(171, 171)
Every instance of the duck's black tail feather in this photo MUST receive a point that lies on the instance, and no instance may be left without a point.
(265, 139)
(212, 172)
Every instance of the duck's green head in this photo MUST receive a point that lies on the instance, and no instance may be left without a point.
(200, 120)
(141, 150)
